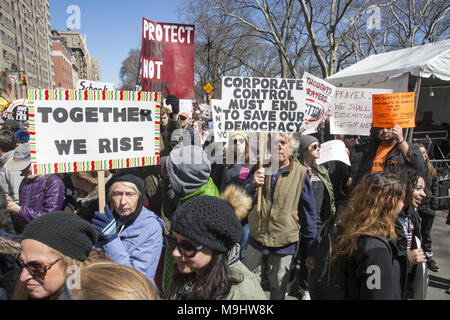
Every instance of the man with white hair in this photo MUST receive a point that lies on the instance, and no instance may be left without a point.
(287, 203)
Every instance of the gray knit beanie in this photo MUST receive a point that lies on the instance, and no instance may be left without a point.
(188, 169)
(306, 141)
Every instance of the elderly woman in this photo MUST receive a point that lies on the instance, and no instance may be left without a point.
(130, 234)
(52, 245)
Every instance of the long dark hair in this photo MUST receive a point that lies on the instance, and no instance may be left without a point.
(214, 284)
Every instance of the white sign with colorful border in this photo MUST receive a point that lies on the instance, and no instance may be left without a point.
(76, 130)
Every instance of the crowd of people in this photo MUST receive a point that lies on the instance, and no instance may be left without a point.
(196, 228)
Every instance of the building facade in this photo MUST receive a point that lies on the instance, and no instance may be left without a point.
(26, 44)
(63, 60)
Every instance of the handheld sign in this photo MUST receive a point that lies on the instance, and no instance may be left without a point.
(319, 96)
(392, 109)
(263, 105)
(218, 124)
(74, 131)
(168, 58)
(333, 150)
(83, 84)
(352, 111)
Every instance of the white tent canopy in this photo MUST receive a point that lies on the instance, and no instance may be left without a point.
(390, 68)
(430, 63)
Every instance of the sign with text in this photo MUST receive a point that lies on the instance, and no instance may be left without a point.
(333, 150)
(265, 105)
(88, 130)
(352, 111)
(392, 109)
(94, 85)
(319, 95)
(168, 59)
(220, 135)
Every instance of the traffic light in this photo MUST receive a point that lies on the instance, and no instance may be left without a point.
(24, 80)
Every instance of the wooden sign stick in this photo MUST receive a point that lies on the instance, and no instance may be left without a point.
(261, 155)
(101, 191)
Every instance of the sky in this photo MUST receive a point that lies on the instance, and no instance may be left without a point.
(112, 27)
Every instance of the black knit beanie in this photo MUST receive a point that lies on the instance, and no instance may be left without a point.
(63, 231)
(209, 221)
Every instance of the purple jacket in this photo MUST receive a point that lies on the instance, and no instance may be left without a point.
(35, 202)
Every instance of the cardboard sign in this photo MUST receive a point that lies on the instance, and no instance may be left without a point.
(265, 105)
(220, 135)
(17, 110)
(333, 150)
(319, 95)
(352, 111)
(74, 131)
(94, 85)
(168, 59)
(392, 109)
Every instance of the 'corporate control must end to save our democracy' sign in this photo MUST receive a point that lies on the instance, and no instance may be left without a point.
(271, 104)
(84, 130)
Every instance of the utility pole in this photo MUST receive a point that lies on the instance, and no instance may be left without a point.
(209, 46)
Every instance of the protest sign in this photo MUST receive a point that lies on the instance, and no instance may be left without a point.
(167, 59)
(17, 110)
(319, 95)
(352, 111)
(264, 105)
(88, 130)
(220, 135)
(94, 85)
(333, 150)
(392, 109)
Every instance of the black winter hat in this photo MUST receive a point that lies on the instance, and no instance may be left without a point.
(63, 231)
(208, 220)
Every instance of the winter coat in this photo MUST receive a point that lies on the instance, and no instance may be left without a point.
(363, 157)
(41, 195)
(249, 288)
(139, 246)
(10, 180)
(376, 271)
(328, 204)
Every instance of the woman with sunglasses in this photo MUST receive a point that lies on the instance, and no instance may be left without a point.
(52, 246)
(309, 152)
(235, 170)
(204, 240)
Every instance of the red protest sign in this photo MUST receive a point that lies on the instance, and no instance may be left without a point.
(168, 58)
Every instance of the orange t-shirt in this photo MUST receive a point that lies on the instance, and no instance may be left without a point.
(380, 158)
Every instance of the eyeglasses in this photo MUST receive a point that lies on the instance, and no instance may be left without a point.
(186, 248)
(37, 269)
(351, 137)
(315, 147)
(182, 118)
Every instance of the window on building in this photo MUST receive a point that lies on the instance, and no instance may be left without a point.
(2, 33)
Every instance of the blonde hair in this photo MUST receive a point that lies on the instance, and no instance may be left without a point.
(107, 280)
(371, 210)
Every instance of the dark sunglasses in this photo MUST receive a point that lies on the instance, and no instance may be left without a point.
(314, 147)
(37, 269)
(186, 248)
(241, 140)
(351, 137)
(182, 118)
